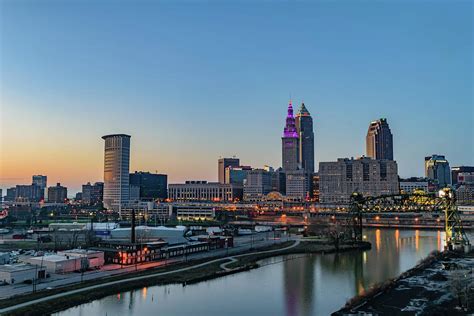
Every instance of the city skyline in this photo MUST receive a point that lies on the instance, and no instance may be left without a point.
(56, 104)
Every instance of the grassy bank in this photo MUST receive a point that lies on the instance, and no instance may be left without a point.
(199, 274)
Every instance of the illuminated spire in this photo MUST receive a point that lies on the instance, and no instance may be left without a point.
(290, 127)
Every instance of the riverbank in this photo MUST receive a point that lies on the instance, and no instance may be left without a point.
(440, 284)
(50, 301)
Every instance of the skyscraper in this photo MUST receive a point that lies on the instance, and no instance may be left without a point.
(437, 169)
(289, 143)
(57, 194)
(304, 126)
(116, 171)
(224, 163)
(379, 140)
(42, 182)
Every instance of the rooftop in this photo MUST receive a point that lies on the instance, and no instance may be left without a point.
(115, 135)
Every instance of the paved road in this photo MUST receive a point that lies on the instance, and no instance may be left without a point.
(92, 287)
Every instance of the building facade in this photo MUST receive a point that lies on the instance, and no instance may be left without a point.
(28, 193)
(339, 179)
(290, 143)
(92, 193)
(41, 181)
(437, 169)
(298, 184)
(222, 164)
(57, 194)
(204, 191)
(257, 185)
(236, 175)
(116, 171)
(455, 171)
(304, 126)
(411, 185)
(379, 140)
(152, 186)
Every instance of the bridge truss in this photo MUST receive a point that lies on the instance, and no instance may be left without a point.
(444, 202)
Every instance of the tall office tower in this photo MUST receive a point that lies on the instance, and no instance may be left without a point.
(289, 143)
(116, 171)
(379, 140)
(42, 182)
(304, 126)
(224, 163)
(57, 194)
(437, 169)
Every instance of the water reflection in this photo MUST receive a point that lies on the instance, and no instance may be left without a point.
(305, 285)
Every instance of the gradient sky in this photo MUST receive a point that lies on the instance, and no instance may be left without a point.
(195, 80)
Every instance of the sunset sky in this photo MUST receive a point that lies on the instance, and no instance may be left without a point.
(194, 80)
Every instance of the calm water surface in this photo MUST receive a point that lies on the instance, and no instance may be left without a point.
(290, 285)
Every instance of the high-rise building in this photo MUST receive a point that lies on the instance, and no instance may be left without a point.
(257, 185)
(379, 140)
(151, 186)
(236, 175)
(223, 163)
(339, 179)
(455, 171)
(42, 182)
(57, 194)
(11, 195)
(92, 193)
(304, 126)
(116, 171)
(298, 184)
(290, 143)
(437, 169)
(28, 193)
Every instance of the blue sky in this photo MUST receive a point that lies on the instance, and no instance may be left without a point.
(195, 80)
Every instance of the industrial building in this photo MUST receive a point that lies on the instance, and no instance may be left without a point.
(18, 273)
(95, 259)
(149, 233)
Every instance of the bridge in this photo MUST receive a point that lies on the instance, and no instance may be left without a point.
(445, 201)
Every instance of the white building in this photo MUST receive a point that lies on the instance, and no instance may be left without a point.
(195, 212)
(59, 264)
(18, 273)
(95, 258)
(204, 191)
(410, 185)
(116, 171)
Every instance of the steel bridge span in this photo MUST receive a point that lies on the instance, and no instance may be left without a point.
(445, 201)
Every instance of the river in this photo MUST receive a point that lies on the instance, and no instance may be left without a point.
(290, 285)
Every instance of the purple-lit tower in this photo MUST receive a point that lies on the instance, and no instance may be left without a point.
(289, 143)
